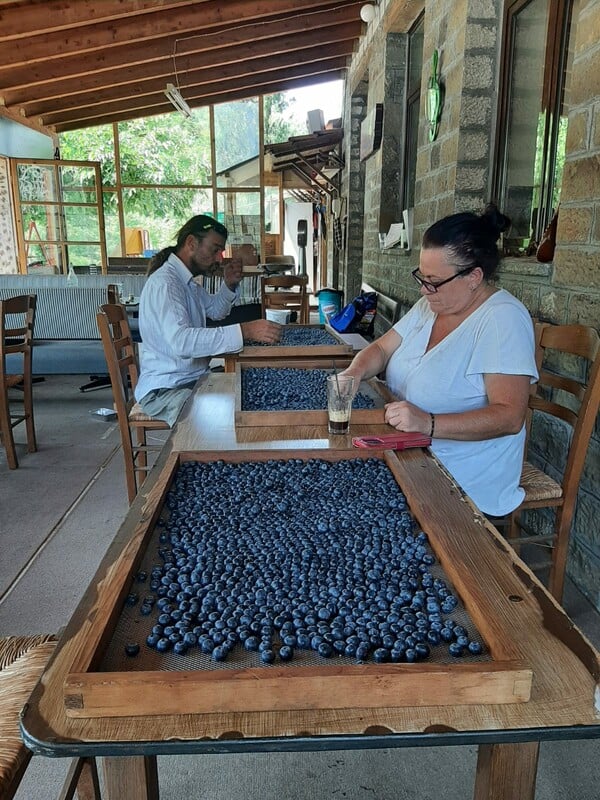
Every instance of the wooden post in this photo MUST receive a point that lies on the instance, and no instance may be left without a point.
(131, 777)
(506, 771)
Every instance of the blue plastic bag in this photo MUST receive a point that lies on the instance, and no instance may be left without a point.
(358, 316)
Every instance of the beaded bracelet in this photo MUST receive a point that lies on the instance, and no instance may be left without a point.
(432, 425)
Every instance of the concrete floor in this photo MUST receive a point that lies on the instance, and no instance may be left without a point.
(58, 513)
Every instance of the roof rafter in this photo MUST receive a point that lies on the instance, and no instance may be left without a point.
(78, 63)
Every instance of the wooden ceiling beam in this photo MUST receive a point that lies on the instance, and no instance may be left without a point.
(255, 84)
(129, 30)
(34, 124)
(23, 19)
(193, 79)
(227, 97)
(133, 63)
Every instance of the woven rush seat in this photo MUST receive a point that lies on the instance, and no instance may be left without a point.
(538, 485)
(22, 659)
(137, 415)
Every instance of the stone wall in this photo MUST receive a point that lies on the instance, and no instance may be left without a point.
(454, 174)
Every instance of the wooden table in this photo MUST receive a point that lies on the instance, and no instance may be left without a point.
(564, 700)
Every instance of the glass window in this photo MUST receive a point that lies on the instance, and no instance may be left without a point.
(237, 143)
(147, 148)
(91, 144)
(240, 213)
(533, 117)
(161, 212)
(413, 100)
(61, 215)
(111, 223)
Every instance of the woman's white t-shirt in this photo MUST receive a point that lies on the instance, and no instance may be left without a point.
(497, 338)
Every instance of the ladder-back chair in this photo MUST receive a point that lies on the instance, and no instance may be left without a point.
(22, 661)
(119, 350)
(571, 400)
(285, 293)
(17, 318)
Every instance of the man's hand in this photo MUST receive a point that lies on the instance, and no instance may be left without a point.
(261, 330)
(232, 273)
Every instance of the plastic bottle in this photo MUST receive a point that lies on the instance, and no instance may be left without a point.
(72, 279)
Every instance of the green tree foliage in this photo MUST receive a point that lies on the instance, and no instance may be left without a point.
(279, 125)
(236, 133)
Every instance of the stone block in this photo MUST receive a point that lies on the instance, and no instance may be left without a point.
(588, 26)
(449, 149)
(584, 568)
(482, 9)
(584, 309)
(478, 72)
(549, 439)
(553, 305)
(595, 134)
(480, 36)
(590, 478)
(475, 110)
(578, 131)
(473, 146)
(577, 267)
(596, 225)
(530, 297)
(471, 178)
(585, 78)
(525, 266)
(512, 286)
(574, 224)
(581, 179)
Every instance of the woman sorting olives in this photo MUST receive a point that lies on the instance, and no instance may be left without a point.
(461, 361)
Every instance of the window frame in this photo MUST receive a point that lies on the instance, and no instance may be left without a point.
(560, 14)
(412, 110)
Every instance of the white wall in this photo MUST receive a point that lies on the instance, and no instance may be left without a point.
(19, 141)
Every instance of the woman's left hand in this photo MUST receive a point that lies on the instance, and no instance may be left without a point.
(405, 416)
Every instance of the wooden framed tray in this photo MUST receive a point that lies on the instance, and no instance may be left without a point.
(332, 348)
(103, 682)
(373, 390)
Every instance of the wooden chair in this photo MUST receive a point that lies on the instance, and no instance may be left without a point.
(22, 660)
(279, 263)
(98, 381)
(285, 293)
(571, 400)
(119, 350)
(16, 336)
(113, 293)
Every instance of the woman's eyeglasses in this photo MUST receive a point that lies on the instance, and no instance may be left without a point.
(433, 287)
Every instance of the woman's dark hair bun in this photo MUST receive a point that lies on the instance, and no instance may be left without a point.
(496, 219)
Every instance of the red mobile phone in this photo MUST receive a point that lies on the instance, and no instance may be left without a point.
(392, 441)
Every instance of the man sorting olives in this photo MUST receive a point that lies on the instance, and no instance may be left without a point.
(177, 345)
